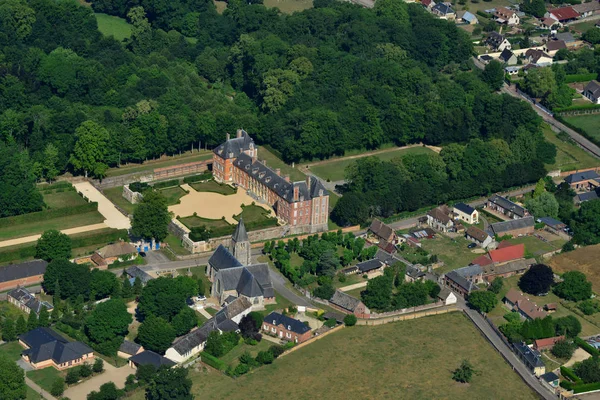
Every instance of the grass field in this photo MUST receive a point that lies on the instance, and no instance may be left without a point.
(231, 358)
(273, 161)
(32, 394)
(403, 360)
(582, 26)
(568, 156)
(589, 123)
(110, 25)
(289, 6)
(172, 194)
(11, 350)
(175, 244)
(534, 247)
(584, 259)
(334, 170)
(149, 166)
(115, 195)
(63, 199)
(32, 228)
(453, 252)
(212, 186)
(45, 377)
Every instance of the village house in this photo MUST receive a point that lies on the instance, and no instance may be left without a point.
(444, 11)
(503, 206)
(466, 17)
(549, 23)
(46, 348)
(546, 344)
(27, 302)
(136, 272)
(413, 274)
(505, 16)
(508, 57)
(382, 235)
(439, 218)
(563, 14)
(478, 236)
(149, 357)
(506, 270)
(553, 225)
(22, 274)
(551, 47)
(348, 304)
(551, 380)
(583, 181)
(464, 280)
(517, 301)
(428, 4)
(587, 196)
(121, 251)
(592, 91)
(298, 204)
(517, 227)
(129, 349)
(370, 267)
(497, 42)
(447, 297)
(286, 328)
(538, 57)
(587, 9)
(504, 253)
(531, 358)
(466, 213)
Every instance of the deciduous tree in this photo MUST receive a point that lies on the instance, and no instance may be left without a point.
(12, 380)
(537, 280)
(156, 334)
(90, 149)
(483, 301)
(151, 217)
(574, 287)
(53, 245)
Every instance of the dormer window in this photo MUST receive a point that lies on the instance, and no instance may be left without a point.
(268, 179)
(289, 328)
(273, 322)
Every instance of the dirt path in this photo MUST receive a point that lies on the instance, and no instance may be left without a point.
(205, 313)
(33, 238)
(113, 217)
(110, 374)
(352, 287)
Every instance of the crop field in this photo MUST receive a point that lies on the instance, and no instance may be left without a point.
(584, 259)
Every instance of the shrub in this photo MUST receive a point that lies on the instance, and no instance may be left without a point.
(276, 350)
(568, 373)
(563, 349)
(72, 376)
(58, 387)
(166, 184)
(586, 346)
(98, 365)
(212, 361)
(85, 370)
(198, 178)
(264, 357)
(241, 369)
(342, 277)
(350, 320)
(139, 187)
(589, 307)
(330, 323)
(512, 317)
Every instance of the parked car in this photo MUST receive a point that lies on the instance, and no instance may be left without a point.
(472, 245)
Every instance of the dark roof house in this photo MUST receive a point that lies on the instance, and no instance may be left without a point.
(495, 39)
(137, 272)
(344, 301)
(369, 265)
(291, 324)
(22, 270)
(223, 259)
(27, 300)
(148, 357)
(508, 205)
(582, 176)
(467, 209)
(234, 147)
(130, 348)
(251, 281)
(502, 228)
(592, 90)
(44, 344)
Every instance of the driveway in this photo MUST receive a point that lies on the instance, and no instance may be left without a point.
(113, 217)
(110, 374)
(24, 365)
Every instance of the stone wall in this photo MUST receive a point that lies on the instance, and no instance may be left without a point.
(195, 167)
(131, 196)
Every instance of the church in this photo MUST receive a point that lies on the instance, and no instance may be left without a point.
(233, 275)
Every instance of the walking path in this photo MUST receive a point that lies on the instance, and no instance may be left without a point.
(39, 390)
(352, 287)
(33, 238)
(114, 218)
(204, 313)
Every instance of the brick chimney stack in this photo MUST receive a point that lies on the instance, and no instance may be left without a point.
(287, 178)
(227, 136)
(308, 183)
(238, 133)
(278, 171)
(296, 193)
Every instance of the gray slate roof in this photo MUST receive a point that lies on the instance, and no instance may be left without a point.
(137, 272)
(587, 196)
(495, 39)
(499, 228)
(194, 338)
(223, 259)
(507, 205)
(443, 9)
(251, 281)
(290, 324)
(551, 222)
(582, 176)
(467, 209)
(369, 265)
(593, 87)
(414, 272)
(532, 356)
(468, 271)
(344, 300)
(234, 147)
(505, 56)
(148, 357)
(240, 234)
(23, 270)
(25, 297)
(130, 348)
(45, 344)
(460, 281)
(567, 37)
(235, 307)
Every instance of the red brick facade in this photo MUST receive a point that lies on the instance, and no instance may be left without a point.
(282, 333)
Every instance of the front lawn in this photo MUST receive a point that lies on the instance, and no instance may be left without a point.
(173, 194)
(45, 377)
(11, 350)
(214, 187)
(195, 221)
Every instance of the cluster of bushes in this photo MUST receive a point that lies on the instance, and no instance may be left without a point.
(200, 233)
(584, 377)
(587, 347)
(75, 374)
(580, 77)
(58, 187)
(166, 184)
(218, 344)
(530, 330)
(247, 362)
(589, 307)
(206, 175)
(139, 187)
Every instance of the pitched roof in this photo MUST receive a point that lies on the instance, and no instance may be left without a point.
(508, 253)
(469, 271)
(526, 306)
(556, 45)
(252, 280)
(414, 272)
(552, 222)
(344, 300)
(443, 9)
(236, 307)
(193, 339)
(240, 234)
(467, 16)
(495, 39)
(460, 281)
(148, 357)
(512, 266)
(444, 293)
(369, 265)
(130, 348)
(582, 176)
(547, 342)
(564, 13)
(290, 324)
(439, 215)
(532, 356)
(507, 204)
(535, 55)
(566, 37)
(45, 344)
(382, 230)
(587, 196)
(499, 228)
(465, 208)
(29, 300)
(117, 249)
(548, 21)
(594, 87)
(334, 315)
(23, 270)
(477, 233)
(137, 272)
(550, 377)
(586, 7)
(483, 260)
(223, 259)
(232, 148)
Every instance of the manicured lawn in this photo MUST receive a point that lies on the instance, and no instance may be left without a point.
(281, 303)
(568, 156)
(254, 215)
(11, 350)
(589, 123)
(172, 194)
(45, 377)
(149, 166)
(32, 394)
(64, 199)
(192, 222)
(200, 273)
(355, 292)
(212, 186)
(116, 196)
(211, 310)
(289, 6)
(34, 227)
(236, 352)
(334, 170)
(453, 252)
(410, 360)
(350, 280)
(265, 154)
(175, 244)
(110, 25)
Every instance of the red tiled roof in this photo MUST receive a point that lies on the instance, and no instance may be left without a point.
(508, 253)
(564, 13)
(549, 342)
(482, 260)
(426, 2)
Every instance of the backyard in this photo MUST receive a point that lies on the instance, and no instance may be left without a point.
(385, 361)
(568, 155)
(334, 170)
(589, 123)
(452, 251)
(113, 26)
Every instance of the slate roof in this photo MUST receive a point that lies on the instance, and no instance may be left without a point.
(130, 348)
(251, 281)
(137, 272)
(512, 266)
(465, 208)
(290, 324)
(117, 249)
(194, 338)
(444, 293)
(148, 357)
(223, 259)
(386, 257)
(507, 205)
(552, 222)
(460, 281)
(369, 265)
(534, 55)
(550, 377)
(240, 234)
(499, 228)
(477, 234)
(587, 196)
(414, 272)
(486, 57)
(443, 9)
(506, 55)
(45, 344)
(350, 270)
(236, 307)
(234, 147)
(339, 318)
(25, 297)
(593, 87)
(382, 230)
(344, 300)
(495, 39)
(533, 357)
(566, 37)
(23, 270)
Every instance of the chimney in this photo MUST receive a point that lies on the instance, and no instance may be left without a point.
(278, 171)
(238, 134)
(308, 182)
(296, 193)
(264, 162)
(227, 136)
(287, 178)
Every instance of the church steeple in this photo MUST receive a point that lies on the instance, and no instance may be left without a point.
(240, 244)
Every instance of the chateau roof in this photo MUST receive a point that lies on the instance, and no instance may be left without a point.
(234, 147)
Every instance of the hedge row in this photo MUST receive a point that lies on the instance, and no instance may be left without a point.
(47, 214)
(586, 346)
(586, 387)
(54, 186)
(484, 14)
(580, 77)
(578, 108)
(212, 361)
(166, 184)
(198, 178)
(568, 373)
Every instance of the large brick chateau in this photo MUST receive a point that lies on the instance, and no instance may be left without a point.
(299, 204)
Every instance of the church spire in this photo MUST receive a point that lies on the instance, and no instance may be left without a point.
(240, 234)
